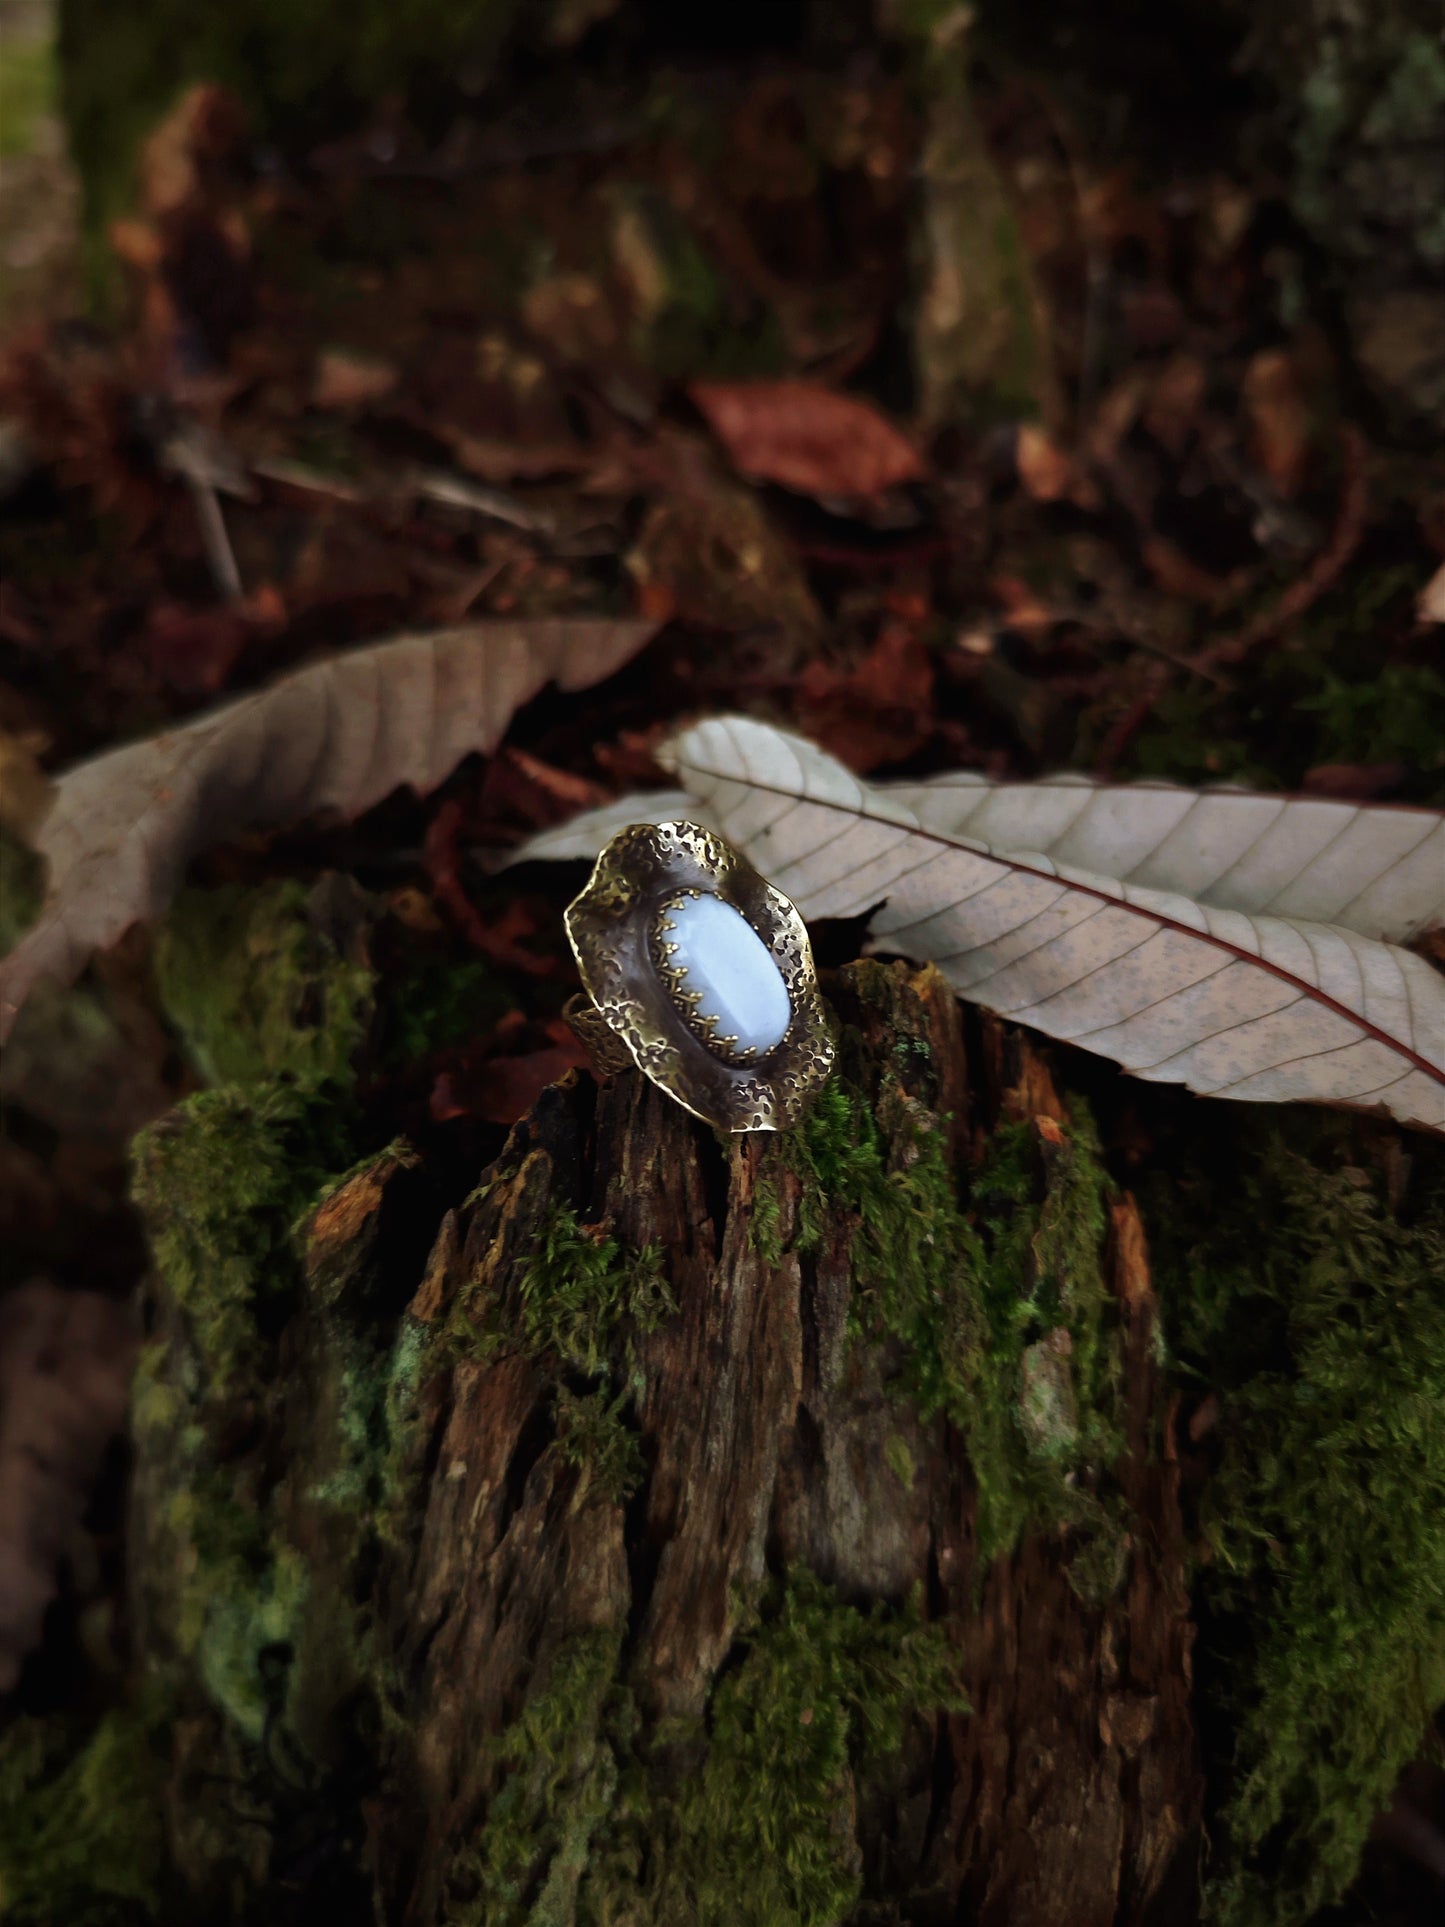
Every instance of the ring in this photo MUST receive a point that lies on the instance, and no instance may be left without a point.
(701, 974)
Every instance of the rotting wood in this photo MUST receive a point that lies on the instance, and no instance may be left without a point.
(478, 1555)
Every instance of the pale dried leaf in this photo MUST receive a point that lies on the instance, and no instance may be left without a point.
(584, 835)
(1226, 997)
(1376, 869)
(334, 738)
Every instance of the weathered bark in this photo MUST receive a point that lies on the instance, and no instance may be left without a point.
(452, 1576)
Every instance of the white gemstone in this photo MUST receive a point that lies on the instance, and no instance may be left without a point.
(726, 959)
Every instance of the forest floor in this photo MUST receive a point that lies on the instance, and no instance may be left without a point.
(415, 377)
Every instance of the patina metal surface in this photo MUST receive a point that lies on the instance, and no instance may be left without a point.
(614, 926)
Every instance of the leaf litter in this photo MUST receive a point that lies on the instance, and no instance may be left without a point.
(336, 739)
(1166, 565)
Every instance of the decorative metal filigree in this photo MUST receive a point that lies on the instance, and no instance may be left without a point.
(616, 929)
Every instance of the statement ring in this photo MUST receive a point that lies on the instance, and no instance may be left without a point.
(701, 974)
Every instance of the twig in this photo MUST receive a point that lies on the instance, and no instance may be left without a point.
(220, 556)
(442, 868)
(1126, 727)
(1322, 573)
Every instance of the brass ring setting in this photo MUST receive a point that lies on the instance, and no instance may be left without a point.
(701, 974)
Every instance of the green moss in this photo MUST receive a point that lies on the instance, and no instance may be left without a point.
(1326, 1514)
(1396, 715)
(249, 1640)
(560, 1778)
(766, 1222)
(1370, 98)
(580, 1293)
(81, 1825)
(221, 1182)
(413, 1353)
(293, 67)
(686, 322)
(1327, 699)
(256, 989)
(27, 89)
(741, 1820)
(20, 889)
(900, 1460)
(260, 1610)
(982, 1301)
(234, 1608)
(593, 1436)
(440, 1002)
(750, 1825)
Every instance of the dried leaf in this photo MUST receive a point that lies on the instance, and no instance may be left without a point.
(1279, 419)
(1379, 871)
(504, 1088)
(580, 839)
(336, 738)
(24, 786)
(806, 437)
(881, 711)
(344, 380)
(65, 1366)
(1182, 935)
(1050, 473)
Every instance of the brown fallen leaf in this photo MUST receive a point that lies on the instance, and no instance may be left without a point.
(881, 711)
(1277, 409)
(345, 380)
(334, 738)
(502, 939)
(24, 786)
(1362, 780)
(1175, 405)
(192, 249)
(65, 1368)
(1050, 473)
(538, 791)
(1179, 575)
(505, 1088)
(806, 437)
(193, 651)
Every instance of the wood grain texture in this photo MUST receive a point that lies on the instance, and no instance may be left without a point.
(770, 1436)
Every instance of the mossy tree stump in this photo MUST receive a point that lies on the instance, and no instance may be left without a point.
(779, 1531)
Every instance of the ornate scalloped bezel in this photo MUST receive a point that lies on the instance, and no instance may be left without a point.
(613, 927)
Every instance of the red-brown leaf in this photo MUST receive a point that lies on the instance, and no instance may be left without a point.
(806, 437)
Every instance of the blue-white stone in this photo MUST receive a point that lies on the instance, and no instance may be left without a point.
(726, 959)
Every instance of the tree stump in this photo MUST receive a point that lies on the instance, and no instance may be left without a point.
(785, 1530)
